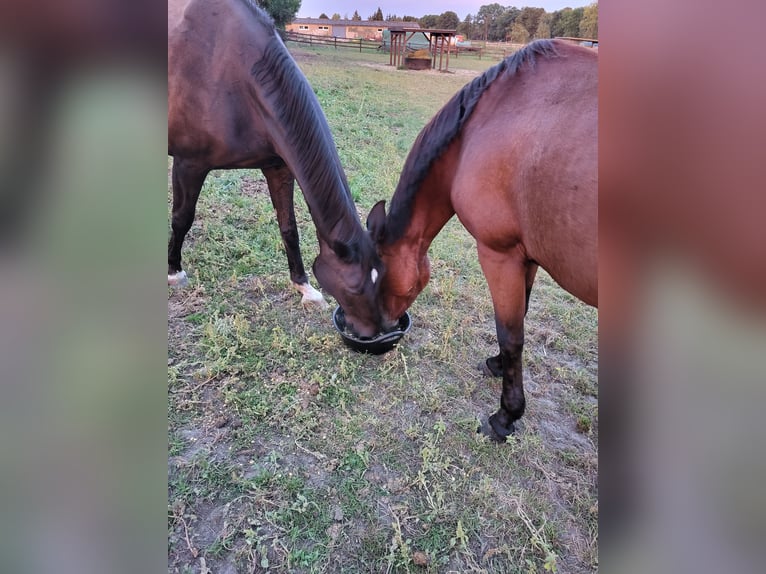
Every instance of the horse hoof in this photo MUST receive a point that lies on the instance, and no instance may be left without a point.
(484, 369)
(488, 370)
(311, 296)
(178, 279)
(494, 432)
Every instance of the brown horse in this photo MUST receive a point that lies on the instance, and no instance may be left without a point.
(514, 155)
(237, 99)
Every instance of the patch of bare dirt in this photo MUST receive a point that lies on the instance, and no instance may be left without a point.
(431, 72)
(252, 187)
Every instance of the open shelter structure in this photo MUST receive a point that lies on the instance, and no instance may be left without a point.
(439, 43)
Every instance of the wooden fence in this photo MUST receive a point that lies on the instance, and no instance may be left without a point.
(492, 50)
(357, 44)
(477, 49)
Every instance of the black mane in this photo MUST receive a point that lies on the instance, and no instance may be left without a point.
(434, 139)
(323, 182)
(259, 12)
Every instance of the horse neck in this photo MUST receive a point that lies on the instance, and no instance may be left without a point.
(322, 182)
(326, 192)
(430, 207)
(305, 144)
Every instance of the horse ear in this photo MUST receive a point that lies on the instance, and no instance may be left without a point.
(376, 221)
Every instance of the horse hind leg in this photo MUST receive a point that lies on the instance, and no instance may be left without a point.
(187, 183)
(507, 276)
(281, 187)
(493, 366)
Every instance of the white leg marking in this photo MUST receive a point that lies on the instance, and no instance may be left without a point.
(311, 296)
(178, 279)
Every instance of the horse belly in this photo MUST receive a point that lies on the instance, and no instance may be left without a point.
(508, 201)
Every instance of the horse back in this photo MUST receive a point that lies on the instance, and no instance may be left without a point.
(527, 175)
(212, 114)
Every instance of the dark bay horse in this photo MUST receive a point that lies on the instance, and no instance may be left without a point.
(514, 155)
(237, 99)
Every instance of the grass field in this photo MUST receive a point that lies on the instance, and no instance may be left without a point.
(289, 453)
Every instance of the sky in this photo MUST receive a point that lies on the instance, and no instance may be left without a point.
(418, 8)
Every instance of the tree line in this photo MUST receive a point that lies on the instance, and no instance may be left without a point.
(377, 16)
(493, 22)
(496, 23)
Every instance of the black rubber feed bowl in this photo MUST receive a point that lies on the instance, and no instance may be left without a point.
(376, 345)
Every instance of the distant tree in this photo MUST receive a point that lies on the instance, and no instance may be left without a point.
(429, 21)
(335, 16)
(324, 16)
(282, 11)
(448, 20)
(505, 22)
(356, 16)
(377, 16)
(465, 28)
(544, 27)
(566, 22)
(589, 22)
(519, 34)
(530, 19)
(556, 23)
(487, 19)
(409, 19)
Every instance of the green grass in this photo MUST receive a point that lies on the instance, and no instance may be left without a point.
(292, 454)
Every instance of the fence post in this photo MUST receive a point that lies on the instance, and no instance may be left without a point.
(335, 41)
(360, 45)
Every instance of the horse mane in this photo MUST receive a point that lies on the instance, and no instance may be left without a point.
(434, 139)
(259, 12)
(307, 133)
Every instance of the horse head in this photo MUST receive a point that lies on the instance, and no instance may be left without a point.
(403, 281)
(350, 272)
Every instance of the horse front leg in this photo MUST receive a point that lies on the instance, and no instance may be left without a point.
(508, 276)
(493, 366)
(281, 188)
(187, 183)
